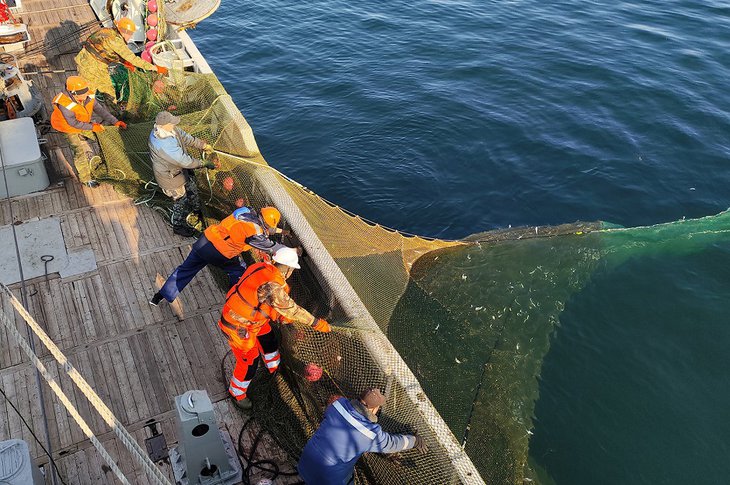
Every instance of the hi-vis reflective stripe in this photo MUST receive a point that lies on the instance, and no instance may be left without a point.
(406, 442)
(236, 391)
(272, 359)
(241, 384)
(354, 422)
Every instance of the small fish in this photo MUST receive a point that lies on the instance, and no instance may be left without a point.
(463, 277)
(437, 327)
(457, 360)
(479, 308)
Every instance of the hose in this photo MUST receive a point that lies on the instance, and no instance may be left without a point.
(248, 463)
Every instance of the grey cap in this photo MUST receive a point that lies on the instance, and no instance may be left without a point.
(166, 118)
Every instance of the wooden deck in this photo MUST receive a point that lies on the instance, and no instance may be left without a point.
(137, 357)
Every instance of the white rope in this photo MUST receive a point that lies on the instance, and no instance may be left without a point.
(153, 473)
(63, 398)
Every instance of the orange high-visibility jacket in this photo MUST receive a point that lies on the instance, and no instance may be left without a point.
(243, 300)
(83, 112)
(230, 235)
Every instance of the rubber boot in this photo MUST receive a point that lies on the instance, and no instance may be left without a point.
(184, 231)
(244, 404)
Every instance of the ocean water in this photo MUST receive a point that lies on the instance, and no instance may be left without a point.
(450, 118)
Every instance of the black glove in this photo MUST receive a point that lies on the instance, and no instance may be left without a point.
(285, 232)
(420, 445)
(208, 164)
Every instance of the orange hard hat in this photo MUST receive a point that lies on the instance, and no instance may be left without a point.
(271, 216)
(127, 24)
(76, 84)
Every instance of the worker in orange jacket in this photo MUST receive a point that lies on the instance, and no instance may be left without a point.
(77, 114)
(221, 244)
(260, 297)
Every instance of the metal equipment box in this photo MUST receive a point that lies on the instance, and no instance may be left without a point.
(21, 158)
(205, 455)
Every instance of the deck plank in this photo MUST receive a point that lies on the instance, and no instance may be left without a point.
(136, 357)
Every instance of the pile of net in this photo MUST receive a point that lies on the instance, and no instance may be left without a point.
(473, 319)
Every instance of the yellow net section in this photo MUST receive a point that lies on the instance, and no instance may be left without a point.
(375, 260)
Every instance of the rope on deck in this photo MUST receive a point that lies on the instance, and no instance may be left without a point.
(153, 473)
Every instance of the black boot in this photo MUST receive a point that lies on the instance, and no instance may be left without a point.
(184, 231)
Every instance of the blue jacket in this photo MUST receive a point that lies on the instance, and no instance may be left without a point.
(330, 455)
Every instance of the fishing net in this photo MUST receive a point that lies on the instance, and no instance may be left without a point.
(473, 319)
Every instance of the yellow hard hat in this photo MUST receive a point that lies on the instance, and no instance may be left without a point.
(127, 24)
(76, 84)
(271, 216)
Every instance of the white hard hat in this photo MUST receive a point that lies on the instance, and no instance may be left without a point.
(288, 256)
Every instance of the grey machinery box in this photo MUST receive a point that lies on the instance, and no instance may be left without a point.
(21, 158)
(205, 455)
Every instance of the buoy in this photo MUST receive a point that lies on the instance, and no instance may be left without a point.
(312, 372)
(158, 86)
(146, 56)
(152, 34)
(228, 183)
(152, 20)
(152, 5)
(149, 45)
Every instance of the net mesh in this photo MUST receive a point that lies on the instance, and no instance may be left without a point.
(472, 319)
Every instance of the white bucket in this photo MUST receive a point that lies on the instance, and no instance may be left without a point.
(171, 54)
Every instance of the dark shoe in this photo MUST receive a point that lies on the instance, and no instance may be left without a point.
(156, 299)
(244, 404)
(92, 184)
(184, 231)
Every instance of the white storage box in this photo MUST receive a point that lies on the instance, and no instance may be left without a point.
(16, 464)
(21, 158)
(13, 37)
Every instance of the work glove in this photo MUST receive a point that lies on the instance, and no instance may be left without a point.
(208, 148)
(420, 445)
(162, 70)
(129, 66)
(209, 164)
(121, 124)
(321, 325)
(97, 128)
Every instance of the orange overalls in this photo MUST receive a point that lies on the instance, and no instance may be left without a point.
(252, 336)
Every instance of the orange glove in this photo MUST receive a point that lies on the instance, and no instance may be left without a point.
(321, 325)
(121, 124)
(97, 128)
(162, 70)
(129, 66)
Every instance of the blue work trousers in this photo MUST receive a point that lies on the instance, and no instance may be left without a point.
(202, 254)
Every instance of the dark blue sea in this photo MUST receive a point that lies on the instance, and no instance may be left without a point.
(447, 118)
